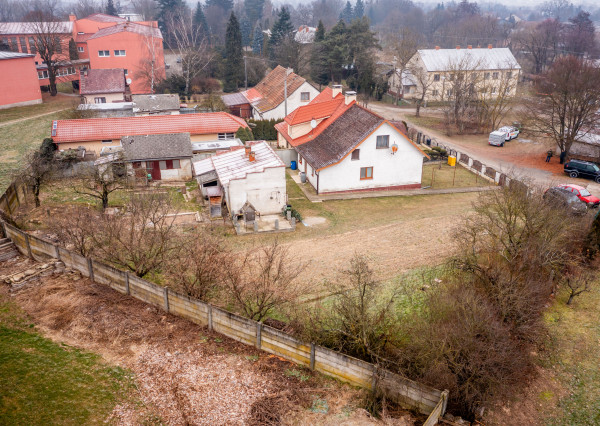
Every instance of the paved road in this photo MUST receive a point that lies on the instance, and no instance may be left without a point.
(540, 177)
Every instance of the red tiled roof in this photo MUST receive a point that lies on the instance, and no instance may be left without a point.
(324, 96)
(82, 38)
(252, 95)
(318, 110)
(95, 81)
(93, 129)
(131, 27)
(271, 88)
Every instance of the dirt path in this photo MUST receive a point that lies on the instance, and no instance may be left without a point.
(8, 123)
(184, 374)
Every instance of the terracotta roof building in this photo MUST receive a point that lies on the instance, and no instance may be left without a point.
(342, 146)
(103, 86)
(266, 100)
(95, 133)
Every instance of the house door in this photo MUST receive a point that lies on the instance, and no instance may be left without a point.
(153, 168)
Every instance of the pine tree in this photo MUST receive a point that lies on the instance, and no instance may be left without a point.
(234, 60)
(257, 42)
(282, 29)
(246, 30)
(359, 9)
(318, 60)
(253, 10)
(347, 14)
(166, 8)
(200, 18)
(226, 5)
(73, 53)
(336, 53)
(111, 9)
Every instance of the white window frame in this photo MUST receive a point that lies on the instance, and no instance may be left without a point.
(226, 136)
(385, 142)
(104, 53)
(100, 100)
(80, 49)
(304, 96)
(118, 52)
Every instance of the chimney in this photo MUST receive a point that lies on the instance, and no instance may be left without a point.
(457, 47)
(469, 47)
(437, 47)
(72, 17)
(349, 97)
(248, 151)
(336, 89)
(251, 157)
(489, 46)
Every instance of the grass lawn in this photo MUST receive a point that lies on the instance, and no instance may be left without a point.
(20, 138)
(50, 104)
(450, 177)
(42, 382)
(574, 355)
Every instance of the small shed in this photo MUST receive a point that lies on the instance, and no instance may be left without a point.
(238, 105)
(166, 157)
(167, 104)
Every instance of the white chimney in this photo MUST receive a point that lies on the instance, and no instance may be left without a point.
(336, 89)
(349, 97)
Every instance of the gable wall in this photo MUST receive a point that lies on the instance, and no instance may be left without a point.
(294, 102)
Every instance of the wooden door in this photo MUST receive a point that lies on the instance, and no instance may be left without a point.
(153, 168)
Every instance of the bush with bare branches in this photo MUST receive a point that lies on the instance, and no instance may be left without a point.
(75, 229)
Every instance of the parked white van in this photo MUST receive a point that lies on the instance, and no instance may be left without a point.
(497, 138)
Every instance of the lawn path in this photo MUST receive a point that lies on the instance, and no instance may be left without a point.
(8, 123)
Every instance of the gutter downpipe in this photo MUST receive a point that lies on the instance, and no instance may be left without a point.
(317, 183)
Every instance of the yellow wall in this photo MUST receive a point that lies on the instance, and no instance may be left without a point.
(204, 138)
(110, 97)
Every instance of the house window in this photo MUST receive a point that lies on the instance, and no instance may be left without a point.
(106, 140)
(494, 91)
(58, 44)
(383, 141)
(32, 47)
(435, 93)
(509, 74)
(225, 136)
(305, 96)
(486, 76)
(366, 173)
(23, 44)
(436, 77)
(43, 74)
(176, 164)
(449, 92)
(80, 49)
(126, 72)
(119, 53)
(100, 100)
(103, 53)
(356, 154)
(451, 77)
(168, 164)
(495, 75)
(13, 44)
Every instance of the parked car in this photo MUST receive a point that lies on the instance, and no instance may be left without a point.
(560, 197)
(584, 169)
(497, 138)
(582, 193)
(511, 132)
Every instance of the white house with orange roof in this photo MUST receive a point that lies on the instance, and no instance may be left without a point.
(94, 134)
(342, 146)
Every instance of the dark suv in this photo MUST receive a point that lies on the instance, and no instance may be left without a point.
(561, 197)
(584, 169)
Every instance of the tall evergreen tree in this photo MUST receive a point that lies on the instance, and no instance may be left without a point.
(318, 59)
(234, 58)
(168, 8)
(336, 51)
(253, 10)
(282, 29)
(246, 30)
(73, 53)
(347, 14)
(226, 5)
(200, 18)
(359, 9)
(258, 41)
(111, 9)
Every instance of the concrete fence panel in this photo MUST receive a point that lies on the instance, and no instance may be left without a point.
(41, 250)
(490, 172)
(18, 237)
(146, 291)
(408, 393)
(74, 261)
(343, 367)
(233, 326)
(279, 343)
(110, 276)
(186, 307)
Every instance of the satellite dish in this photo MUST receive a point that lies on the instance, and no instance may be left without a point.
(128, 81)
(313, 123)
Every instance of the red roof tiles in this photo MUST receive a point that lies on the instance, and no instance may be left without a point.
(318, 110)
(93, 129)
(102, 81)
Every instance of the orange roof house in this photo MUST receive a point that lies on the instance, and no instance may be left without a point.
(266, 100)
(96, 133)
(18, 84)
(342, 146)
(103, 86)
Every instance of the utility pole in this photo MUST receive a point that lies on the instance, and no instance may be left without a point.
(245, 75)
(288, 71)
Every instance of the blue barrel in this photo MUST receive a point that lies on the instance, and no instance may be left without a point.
(293, 165)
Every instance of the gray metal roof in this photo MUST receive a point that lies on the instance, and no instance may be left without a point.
(15, 55)
(234, 99)
(153, 103)
(17, 28)
(480, 59)
(157, 147)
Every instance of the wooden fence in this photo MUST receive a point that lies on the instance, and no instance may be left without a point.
(407, 393)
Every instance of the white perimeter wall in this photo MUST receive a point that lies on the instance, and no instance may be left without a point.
(403, 168)
(266, 191)
(294, 102)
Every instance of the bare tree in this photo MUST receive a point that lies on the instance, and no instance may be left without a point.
(263, 280)
(141, 236)
(75, 228)
(577, 284)
(101, 181)
(51, 44)
(36, 172)
(190, 42)
(542, 42)
(198, 269)
(495, 95)
(88, 7)
(147, 8)
(150, 69)
(404, 44)
(566, 107)
(423, 81)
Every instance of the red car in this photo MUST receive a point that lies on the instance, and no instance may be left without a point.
(582, 193)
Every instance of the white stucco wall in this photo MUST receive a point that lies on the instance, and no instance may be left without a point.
(294, 102)
(266, 191)
(110, 98)
(184, 172)
(403, 168)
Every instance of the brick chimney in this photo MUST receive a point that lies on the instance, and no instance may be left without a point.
(72, 17)
(437, 47)
(349, 96)
(457, 47)
(248, 151)
(490, 46)
(251, 156)
(336, 89)
(469, 47)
